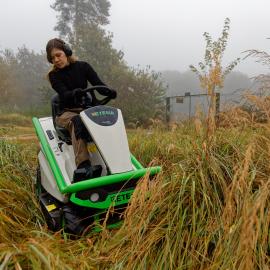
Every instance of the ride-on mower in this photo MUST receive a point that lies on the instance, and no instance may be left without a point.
(76, 206)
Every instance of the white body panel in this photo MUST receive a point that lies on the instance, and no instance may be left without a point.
(112, 143)
(109, 149)
(47, 179)
(65, 159)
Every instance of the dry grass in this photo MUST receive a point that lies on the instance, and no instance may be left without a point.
(197, 214)
(14, 119)
(208, 209)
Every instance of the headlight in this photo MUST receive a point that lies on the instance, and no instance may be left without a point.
(94, 197)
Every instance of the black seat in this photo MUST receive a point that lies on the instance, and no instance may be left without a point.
(62, 132)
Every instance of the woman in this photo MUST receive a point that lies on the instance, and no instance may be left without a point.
(68, 78)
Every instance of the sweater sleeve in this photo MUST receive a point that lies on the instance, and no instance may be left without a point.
(59, 87)
(93, 78)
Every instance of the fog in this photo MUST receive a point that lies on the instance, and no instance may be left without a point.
(167, 35)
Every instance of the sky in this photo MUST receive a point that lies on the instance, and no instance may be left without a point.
(164, 34)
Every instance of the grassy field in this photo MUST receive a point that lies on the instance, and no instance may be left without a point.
(208, 209)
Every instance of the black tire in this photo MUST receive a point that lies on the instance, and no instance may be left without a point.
(54, 222)
(54, 218)
(73, 223)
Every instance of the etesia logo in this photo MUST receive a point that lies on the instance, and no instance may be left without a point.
(121, 197)
(102, 113)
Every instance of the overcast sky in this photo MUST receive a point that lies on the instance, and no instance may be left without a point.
(165, 34)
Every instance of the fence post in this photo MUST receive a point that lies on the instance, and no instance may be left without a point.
(187, 94)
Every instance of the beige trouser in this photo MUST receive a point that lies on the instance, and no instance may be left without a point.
(79, 145)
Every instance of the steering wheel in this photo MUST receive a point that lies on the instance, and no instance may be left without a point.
(95, 101)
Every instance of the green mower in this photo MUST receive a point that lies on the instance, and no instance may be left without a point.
(73, 206)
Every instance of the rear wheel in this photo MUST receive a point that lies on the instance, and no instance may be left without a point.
(53, 218)
(59, 216)
(50, 207)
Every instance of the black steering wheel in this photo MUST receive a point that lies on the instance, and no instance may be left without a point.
(95, 101)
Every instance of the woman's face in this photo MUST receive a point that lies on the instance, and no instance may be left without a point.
(59, 58)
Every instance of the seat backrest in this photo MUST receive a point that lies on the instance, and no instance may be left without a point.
(57, 109)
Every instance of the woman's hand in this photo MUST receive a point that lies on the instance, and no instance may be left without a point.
(78, 93)
(112, 94)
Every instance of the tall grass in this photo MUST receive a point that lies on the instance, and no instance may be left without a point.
(208, 209)
(25, 242)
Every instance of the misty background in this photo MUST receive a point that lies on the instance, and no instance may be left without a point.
(152, 39)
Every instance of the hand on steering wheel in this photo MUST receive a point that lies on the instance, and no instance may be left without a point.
(95, 101)
(112, 94)
(78, 92)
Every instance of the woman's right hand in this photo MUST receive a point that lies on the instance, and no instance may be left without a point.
(78, 93)
(112, 94)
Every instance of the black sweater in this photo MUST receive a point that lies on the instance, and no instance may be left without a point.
(75, 75)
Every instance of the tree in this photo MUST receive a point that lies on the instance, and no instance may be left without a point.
(211, 74)
(28, 72)
(6, 83)
(262, 79)
(75, 13)
(140, 93)
(95, 46)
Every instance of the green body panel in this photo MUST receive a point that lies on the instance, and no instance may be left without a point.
(136, 163)
(109, 179)
(111, 200)
(91, 183)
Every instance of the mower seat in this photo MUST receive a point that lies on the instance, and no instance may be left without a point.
(62, 132)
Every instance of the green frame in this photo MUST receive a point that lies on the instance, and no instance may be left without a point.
(139, 171)
(111, 200)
